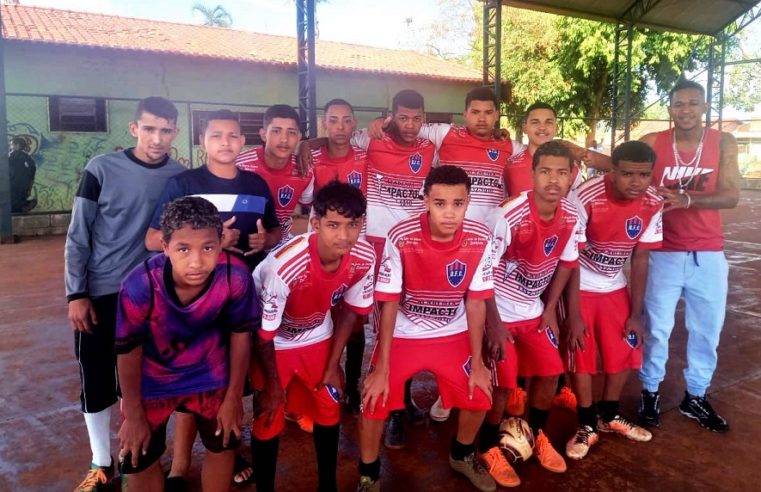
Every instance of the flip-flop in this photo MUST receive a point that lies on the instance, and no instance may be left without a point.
(242, 466)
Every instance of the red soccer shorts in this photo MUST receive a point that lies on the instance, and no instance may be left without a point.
(605, 315)
(448, 358)
(534, 353)
(300, 370)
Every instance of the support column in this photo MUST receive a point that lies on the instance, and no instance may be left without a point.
(306, 67)
(6, 225)
(492, 49)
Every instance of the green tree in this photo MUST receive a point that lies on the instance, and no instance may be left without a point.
(217, 16)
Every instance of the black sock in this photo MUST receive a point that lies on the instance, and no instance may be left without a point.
(264, 454)
(608, 409)
(587, 416)
(561, 383)
(537, 419)
(488, 437)
(408, 394)
(521, 382)
(371, 470)
(326, 448)
(460, 451)
(355, 351)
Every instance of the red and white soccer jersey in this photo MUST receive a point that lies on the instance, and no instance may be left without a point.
(431, 279)
(517, 174)
(395, 177)
(527, 251)
(613, 229)
(297, 294)
(483, 160)
(350, 169)
(287, 187)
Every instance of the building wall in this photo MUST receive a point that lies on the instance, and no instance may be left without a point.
(34, 72)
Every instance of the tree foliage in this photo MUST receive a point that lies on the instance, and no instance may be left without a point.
(217, 16)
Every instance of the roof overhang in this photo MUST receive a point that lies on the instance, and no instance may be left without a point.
(689, 16)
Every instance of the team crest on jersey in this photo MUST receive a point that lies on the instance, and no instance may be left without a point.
(338, 294)
(549, 244)
(456, 272)
(633, 227)
(631, 339)
(416, 162)
(285, 195)
(333, 392)
(493, 154)
(355, 179)
(468, 366)
(551, 336)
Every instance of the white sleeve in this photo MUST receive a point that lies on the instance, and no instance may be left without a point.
(308, 195)
(435, 132)
(360, 295)
(654, 231)
(573, 197)
(501, 237)
(360, 139)
(273, 294)
(518, 147)
(571, 251)
(391, 271)
(483, 278)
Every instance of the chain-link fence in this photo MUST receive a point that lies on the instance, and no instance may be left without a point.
(86, 127)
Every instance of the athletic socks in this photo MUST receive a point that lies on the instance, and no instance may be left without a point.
(371, 470)
(264, 455)
(587, 416)
(608, 409)
(99, 431)
(326, 449)
(408, 394)
(488, 437)
(460, 451)
(355, 350)
(537, 419)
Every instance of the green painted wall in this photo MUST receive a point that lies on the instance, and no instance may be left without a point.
(60, 156)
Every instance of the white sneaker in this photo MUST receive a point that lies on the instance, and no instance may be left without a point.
(438, 412)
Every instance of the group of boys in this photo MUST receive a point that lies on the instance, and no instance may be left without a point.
(460, 241)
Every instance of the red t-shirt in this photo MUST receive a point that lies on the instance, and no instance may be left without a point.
(350, 169)
(517, 174)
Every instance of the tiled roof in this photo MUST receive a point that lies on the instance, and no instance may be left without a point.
(68, 28)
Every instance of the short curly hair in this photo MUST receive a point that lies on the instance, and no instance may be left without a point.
(189, 210)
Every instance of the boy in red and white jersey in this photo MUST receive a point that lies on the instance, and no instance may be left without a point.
(275, 162)
(622, 216)
(435, 274)
(299, 347)
(536, 237)
(539, 126)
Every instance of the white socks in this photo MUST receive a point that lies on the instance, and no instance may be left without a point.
(99, 430)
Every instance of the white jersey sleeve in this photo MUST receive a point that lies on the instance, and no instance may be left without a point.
(435, 132)
(501, 235)
(360, 139)
(273, 294)
(359, 297)
(483, 280)
(570, 253)
(308, 195)
(654, 232)
(390, 274)
(518, 147)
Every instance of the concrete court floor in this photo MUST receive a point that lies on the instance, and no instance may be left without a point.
(44, 447)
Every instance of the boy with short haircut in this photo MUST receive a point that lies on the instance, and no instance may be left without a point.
(183, 340)
(435, 274)
(622, 216)
(536, 238)
(112, 209)
(299, 347)
(276, 163)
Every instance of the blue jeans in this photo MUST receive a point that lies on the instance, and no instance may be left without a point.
(702, 278)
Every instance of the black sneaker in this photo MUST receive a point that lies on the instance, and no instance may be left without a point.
(415, 415)
(395, 438)
(698, 408)
(649, 412)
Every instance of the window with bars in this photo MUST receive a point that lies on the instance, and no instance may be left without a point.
(77, 114)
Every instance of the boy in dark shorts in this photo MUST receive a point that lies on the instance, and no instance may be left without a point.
(183, 339)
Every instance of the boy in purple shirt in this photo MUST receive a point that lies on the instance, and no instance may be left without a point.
(183, 332)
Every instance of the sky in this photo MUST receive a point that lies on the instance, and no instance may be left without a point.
(376, 23)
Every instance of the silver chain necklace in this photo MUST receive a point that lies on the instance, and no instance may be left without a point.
(692, 164)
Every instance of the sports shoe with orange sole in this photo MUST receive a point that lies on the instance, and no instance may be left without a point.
(499, 468)
(516, 402)
(622, 426)
(565, 399)
(97, 478)
(305, 423)
(547, 456)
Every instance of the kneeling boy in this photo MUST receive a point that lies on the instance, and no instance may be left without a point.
(183, 342)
